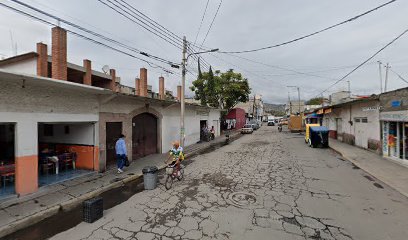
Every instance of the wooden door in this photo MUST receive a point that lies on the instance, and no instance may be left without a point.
(144, 135)
(113, 130)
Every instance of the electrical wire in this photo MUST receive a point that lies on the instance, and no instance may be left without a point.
(147, 23)
(202, 20)
(364, 62)
(212, 22)
(96, 34)
(138, 23)
(84, 37)
(399, 76)
(280, 68)
(314, 33)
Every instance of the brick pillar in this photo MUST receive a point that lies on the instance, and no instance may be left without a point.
(112, 85)
(179, 93)
(161, 88)
(42, 60)
(59, 53)
(137, 86)
(143, 82)
(87, 79)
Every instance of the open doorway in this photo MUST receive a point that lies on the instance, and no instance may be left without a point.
(113, 130)
(204, 131)
(7, 158)
(65, 151)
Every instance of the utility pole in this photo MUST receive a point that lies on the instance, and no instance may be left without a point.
(253, 109)
(322, 100)
(349, 88)
(298, 89)
(386, 76)
(290, 104)
(183, 85)
(379, 69)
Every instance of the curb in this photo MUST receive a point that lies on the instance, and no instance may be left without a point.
(75, 202)
(367, 171)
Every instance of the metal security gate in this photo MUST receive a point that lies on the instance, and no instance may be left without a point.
(144, 135)
(113, 130)
(361, 132)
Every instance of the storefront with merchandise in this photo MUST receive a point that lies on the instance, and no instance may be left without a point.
(394, 135)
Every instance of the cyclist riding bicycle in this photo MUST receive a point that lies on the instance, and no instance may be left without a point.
(176, 154)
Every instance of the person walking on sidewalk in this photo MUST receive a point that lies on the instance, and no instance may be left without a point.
(121, 155)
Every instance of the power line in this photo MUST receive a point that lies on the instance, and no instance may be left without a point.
(96, 34)
(212, 22)
(399, 76)
(136, 16)
(363, 63)
(202, 20)
(314, 33)
(138, 23)
(85, 37)
(149, 22)
(281, 68)
(333, 69)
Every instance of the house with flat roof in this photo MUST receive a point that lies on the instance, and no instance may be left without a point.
(59, 120)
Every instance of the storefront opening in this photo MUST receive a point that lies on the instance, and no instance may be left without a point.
(395, 140)
(65, 151)
(7, 158)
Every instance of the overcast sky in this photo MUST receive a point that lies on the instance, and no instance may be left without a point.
(239, 25)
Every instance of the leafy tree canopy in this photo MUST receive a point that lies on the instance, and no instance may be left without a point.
(314, 101)
(221, 90)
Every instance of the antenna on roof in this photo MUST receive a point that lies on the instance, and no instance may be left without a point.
(106, 69)
(13, 46)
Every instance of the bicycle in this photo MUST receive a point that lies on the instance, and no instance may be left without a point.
(171, 172)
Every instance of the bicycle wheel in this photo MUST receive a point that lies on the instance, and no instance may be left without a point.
(181, 174)
(169, 181)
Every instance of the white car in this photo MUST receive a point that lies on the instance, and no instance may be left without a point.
(247, 128)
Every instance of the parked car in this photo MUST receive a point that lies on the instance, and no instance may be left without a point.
(247, 128)
(271, 123)
(255, 125)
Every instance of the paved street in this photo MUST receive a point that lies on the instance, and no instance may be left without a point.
(267, 185)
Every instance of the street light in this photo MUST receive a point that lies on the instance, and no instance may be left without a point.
(298, 90)
(183, 86)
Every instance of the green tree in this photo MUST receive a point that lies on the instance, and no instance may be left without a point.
(221, 90)
(315, 101)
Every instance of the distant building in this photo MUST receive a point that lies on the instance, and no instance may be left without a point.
(294, 107)
(254, 108)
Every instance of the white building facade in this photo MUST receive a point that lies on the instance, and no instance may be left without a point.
(356, 123)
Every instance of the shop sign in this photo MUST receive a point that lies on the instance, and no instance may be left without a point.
(326, 111)
(320, 111)
(373, 108)
(396, 104)
(397, 116)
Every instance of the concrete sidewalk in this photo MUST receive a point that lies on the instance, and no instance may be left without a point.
(391, 173)
(19, 213)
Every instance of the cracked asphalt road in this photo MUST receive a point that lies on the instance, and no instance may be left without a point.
(267, 185)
